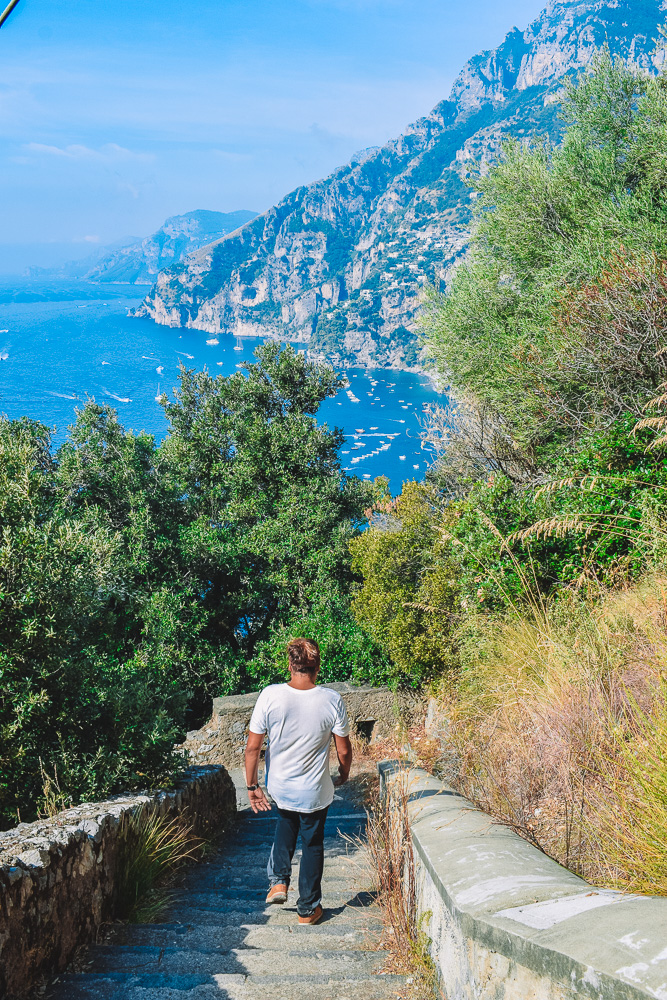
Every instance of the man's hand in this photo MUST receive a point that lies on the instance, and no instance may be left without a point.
(342, 777)
(258, 801)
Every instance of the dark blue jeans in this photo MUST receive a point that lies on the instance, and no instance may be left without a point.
(279, 868)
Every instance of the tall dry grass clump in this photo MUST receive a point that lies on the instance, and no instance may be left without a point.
(627, 816)
(393, 871)
(557, 728)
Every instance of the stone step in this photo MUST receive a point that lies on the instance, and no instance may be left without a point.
(334, 891)
(248, 816)
(351, 863)
(266, 827)
(211, 937)
(255, 840)
(222, 898)
(256, 875)
(334, 916)
(142, 960)
(257, 888)
(101, 987)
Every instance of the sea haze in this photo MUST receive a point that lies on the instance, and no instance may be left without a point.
(61, 342)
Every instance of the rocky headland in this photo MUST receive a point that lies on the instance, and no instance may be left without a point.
(341, 264)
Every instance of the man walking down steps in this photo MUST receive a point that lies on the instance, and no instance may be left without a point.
(216, 939)
(299, 719)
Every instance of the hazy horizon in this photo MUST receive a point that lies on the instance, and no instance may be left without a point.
(114, 119)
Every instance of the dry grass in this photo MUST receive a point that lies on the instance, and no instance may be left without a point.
(627, 818)
(403, 743)
(393, 870)
(558, 728)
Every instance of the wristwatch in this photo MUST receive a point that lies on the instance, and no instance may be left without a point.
(252, 788)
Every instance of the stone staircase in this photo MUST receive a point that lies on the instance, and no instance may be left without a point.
(220, 941)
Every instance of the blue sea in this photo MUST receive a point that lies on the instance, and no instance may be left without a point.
(63, 342)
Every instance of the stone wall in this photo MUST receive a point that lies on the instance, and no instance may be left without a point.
(58, 877)
(508, 923)
(373, 712)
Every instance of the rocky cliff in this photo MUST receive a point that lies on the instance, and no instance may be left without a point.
(342, 263)
(141, 262)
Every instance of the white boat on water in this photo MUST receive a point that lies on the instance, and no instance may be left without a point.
(159, 394)
(239, 345)
(160, 369)
(213, 341)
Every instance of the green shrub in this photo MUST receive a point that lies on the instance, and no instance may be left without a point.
(138, 581)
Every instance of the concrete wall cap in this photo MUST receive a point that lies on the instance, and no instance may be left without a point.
(509, 896)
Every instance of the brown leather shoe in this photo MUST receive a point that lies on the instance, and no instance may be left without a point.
(277, 893)
(312, 918)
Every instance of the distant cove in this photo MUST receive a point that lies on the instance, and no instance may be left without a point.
(62, 341)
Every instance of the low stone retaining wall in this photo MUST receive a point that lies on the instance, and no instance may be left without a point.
(58, 876)
(508, 923)
(373, 712)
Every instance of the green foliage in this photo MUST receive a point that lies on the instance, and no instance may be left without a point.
(139, 581)
(409, 593)
(151, 849)
(348, 651)
(331, 329)
(557, 227)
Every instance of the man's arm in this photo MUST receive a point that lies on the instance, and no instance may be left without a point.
(258, 800)
(344, 751)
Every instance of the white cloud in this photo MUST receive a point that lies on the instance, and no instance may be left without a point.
(111, 152)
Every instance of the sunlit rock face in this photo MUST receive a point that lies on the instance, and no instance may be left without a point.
(342, 264)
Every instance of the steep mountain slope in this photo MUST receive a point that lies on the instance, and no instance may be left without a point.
(179, 236)
(341, 263)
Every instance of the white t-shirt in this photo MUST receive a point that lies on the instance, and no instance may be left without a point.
(299, 725)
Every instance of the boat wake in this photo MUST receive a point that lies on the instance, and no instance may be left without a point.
(119, 399)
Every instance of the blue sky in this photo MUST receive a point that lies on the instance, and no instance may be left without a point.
(115, 115)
